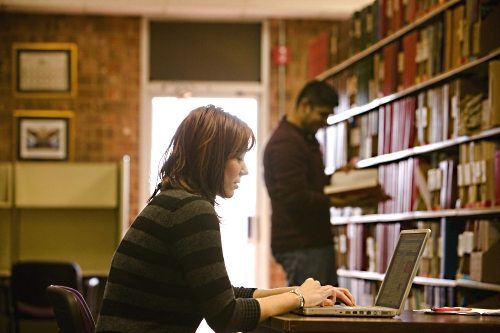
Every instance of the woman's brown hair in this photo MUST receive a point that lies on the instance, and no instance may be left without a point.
(195, 158)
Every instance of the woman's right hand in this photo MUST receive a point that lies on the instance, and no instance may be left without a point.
(316, 294)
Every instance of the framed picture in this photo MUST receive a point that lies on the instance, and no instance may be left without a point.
(44, 135)
(44, 70)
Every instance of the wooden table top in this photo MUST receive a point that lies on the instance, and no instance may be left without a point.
(407, 322)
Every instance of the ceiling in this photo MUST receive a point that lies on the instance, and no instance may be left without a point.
(195, 9)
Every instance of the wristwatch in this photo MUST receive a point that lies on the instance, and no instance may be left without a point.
(301, 298)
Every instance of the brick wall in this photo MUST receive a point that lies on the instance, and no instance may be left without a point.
(299, 35)
(107, 106)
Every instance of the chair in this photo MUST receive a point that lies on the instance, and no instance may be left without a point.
(72, 312)
(28, 283)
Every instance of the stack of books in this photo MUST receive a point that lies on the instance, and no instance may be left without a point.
(357, 184)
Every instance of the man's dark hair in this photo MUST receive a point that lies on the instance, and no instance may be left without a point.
(318, 93)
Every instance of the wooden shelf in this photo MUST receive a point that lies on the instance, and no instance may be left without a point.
(5, 273)
(80, 208)
(426, 281)
(96, 273)
(364, 275)
(68, 185)
(478, 285)
(389, 39)
(359, 110)
(421, 280)
(373, 276)
(418, 215)
(426, 149)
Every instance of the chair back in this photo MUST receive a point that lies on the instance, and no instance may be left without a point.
(72, 312)
(29, 281)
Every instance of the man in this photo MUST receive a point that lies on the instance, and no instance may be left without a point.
(301, 238)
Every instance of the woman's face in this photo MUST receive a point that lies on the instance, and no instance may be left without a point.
(235, 168)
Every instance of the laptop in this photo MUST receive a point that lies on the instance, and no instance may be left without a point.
(395, 286)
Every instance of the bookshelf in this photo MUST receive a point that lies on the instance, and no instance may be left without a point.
(419, 102)
(419, 215)
(430, 148)
(375, 103)
(63, 211)
(385, 41)
(420, 280)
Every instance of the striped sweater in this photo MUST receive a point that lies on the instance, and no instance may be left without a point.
(168, 273)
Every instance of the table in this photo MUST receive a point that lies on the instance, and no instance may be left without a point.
(407, 322)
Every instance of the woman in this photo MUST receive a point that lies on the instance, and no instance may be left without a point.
(168, 272)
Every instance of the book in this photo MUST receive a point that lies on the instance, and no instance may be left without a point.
(358, 183)
(497, 177)
(461, 311)
(491, 113)
(483, 41)
(352, 181)
(318, 54)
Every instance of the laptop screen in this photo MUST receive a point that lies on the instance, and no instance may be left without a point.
(399, 272)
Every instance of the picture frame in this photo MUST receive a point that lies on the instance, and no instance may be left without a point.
(44, 135)
(45, 70)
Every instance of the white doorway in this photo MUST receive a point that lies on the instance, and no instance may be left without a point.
(240, 250)
(236, 213)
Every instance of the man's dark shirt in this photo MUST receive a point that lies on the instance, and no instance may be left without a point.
(295, 177)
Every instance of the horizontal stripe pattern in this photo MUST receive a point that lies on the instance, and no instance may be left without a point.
(168, 273)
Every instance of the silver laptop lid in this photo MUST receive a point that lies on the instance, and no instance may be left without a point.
(402, 268)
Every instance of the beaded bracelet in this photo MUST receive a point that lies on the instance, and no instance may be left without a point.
(301, 298)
